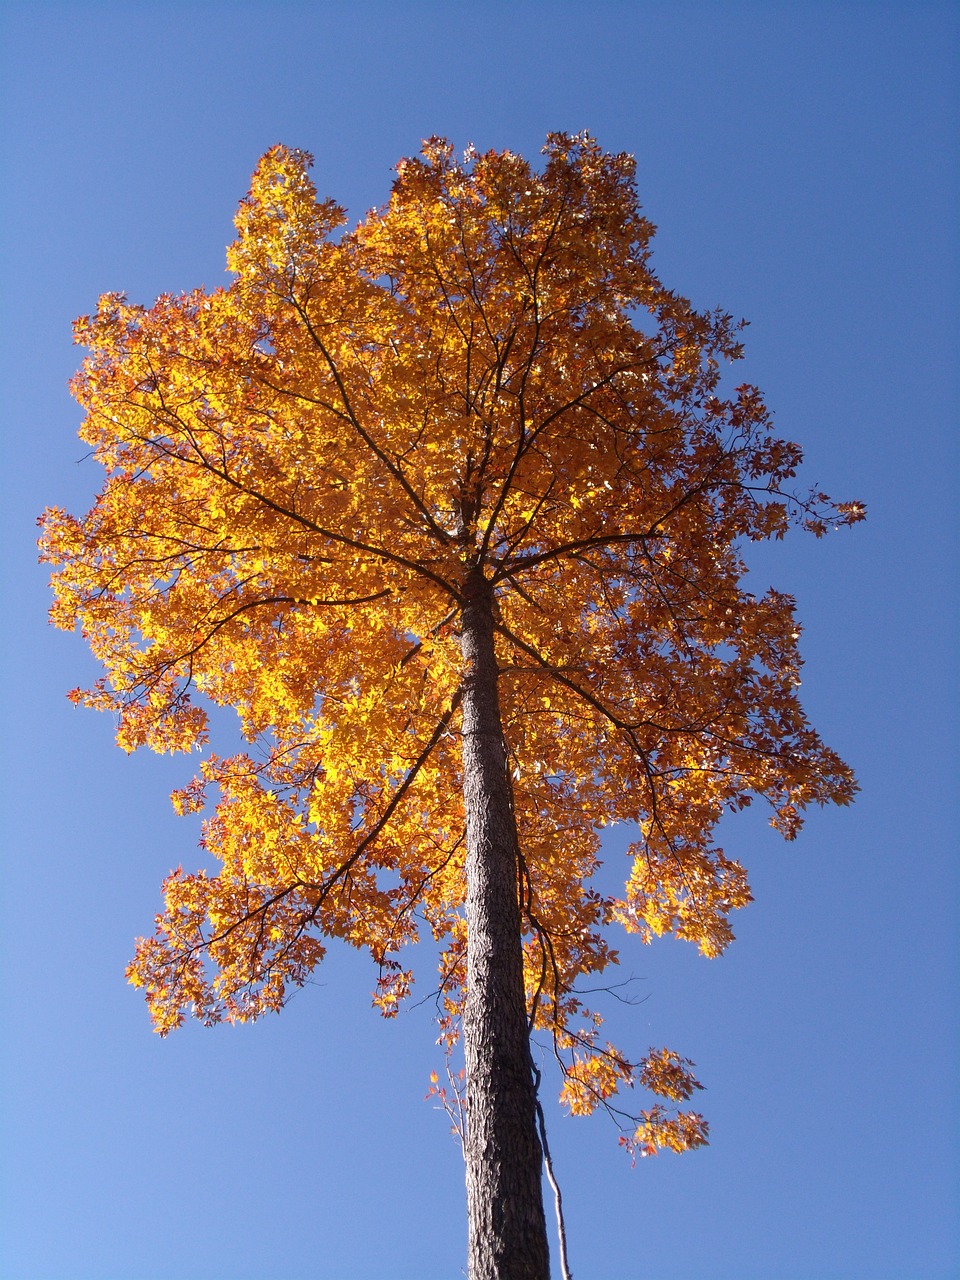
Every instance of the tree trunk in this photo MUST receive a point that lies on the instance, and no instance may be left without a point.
(508, 1239)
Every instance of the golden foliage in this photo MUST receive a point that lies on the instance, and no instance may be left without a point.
(302, 468)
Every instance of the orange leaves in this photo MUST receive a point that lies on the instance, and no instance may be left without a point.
(592, 1078)
(393, 986)
(658, 1130)
(686, 891)
(189, 799)
(283, 230)
(303, 470)
(667, 1074)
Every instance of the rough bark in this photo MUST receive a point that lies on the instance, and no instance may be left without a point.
(507, 1229)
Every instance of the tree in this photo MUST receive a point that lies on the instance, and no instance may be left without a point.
(450, 508)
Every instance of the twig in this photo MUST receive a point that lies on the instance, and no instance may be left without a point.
(548, 1165)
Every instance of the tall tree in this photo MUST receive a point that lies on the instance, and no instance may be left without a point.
(451, 509)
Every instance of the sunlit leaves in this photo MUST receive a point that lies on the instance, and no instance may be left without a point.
(302, 469)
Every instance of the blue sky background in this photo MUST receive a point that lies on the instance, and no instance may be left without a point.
(800, 160)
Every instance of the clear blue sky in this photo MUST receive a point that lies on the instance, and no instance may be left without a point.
(800, 160)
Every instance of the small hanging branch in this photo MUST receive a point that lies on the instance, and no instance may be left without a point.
(551, 1178)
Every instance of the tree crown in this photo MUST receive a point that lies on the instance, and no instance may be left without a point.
(483, 383)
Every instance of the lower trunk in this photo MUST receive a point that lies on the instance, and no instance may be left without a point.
(508, 1239)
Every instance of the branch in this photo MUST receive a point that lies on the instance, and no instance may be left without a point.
(381, 553)
(439, 533)
(548, 1165)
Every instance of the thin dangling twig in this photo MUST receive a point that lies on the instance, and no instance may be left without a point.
(557, 1197)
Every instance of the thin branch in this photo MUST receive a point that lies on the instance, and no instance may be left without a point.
(439, 533)
(551, 1178)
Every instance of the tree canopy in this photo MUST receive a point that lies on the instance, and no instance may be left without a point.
(485, 380)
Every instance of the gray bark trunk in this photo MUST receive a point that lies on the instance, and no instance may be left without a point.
(508, 1239)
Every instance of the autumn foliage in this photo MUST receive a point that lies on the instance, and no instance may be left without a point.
(303, 471)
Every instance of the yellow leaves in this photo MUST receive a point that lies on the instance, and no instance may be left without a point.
(592, 1078)
(686, 891)
(393, 986)
(189, 799)
(666, 1073)
(660, 1131)
(303, 469)
(281, 226)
